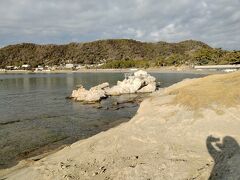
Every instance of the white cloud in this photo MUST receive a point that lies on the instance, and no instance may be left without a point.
(204, 4)
(169, 33)
(216, 22)
(139, 34)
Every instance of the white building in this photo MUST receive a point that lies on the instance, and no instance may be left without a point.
(9, 67)
(69, 66)
(39, 68)
(26, 66)
(79, 66)
(218, 67)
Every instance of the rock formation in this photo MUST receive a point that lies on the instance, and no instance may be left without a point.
(140, 82)
(95, 94)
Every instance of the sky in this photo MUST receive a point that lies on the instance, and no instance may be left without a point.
(215, 22)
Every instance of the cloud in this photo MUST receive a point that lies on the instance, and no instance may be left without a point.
(216, 22)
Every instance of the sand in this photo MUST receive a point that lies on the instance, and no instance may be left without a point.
(172, 136)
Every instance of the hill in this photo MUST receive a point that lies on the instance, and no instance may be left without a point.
(116, 53)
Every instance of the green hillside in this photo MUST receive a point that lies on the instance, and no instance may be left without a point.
(117, 53)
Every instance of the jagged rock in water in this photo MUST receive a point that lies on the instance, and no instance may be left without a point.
(127, 86)
(95, 94)
(140, 82)
(140, 73)
(100, 86)
(134, 84)
(151, 87)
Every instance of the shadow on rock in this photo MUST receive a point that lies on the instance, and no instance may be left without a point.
(226, 156)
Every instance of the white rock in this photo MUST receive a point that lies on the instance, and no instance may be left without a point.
(133, 84)
(100, 86)
(114, 91)
(140, 73)
(139, 82)
(127, 86)
(93, 95)
(78, 92)
(149, 79)
(151, 87)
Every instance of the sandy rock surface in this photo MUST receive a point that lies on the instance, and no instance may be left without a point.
(178, 133)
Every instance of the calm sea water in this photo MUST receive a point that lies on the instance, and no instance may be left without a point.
(36, 117)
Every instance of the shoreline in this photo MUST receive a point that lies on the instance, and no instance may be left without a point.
(160, 135)
(162, 140)
(45, 151)
(97, 126)
(49, 149)
(39, 150)
(150, 70)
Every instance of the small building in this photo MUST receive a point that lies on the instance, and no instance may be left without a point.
(15, 67)
(227, 68)
(26, 66)
(79, 66)
(133, 69)
(9, 67)
(100, 64)
(39, 68)
(69, 66)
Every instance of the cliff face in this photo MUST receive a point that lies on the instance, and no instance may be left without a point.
(93, 52)
(178, 133)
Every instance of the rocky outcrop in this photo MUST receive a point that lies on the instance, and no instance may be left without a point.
(151, 87)
(95, 94)
(139, 82)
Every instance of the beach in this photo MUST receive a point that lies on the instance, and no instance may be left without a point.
(167, 69)
(171, 136)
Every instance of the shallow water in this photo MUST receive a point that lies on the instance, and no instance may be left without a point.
(36, 117)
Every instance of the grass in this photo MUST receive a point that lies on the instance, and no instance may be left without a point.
(223, 90)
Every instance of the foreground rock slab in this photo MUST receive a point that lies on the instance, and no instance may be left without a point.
(177, 133)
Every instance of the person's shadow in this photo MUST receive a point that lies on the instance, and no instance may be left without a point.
(226, 156)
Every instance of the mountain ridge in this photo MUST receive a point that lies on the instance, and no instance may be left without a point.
(110, 51)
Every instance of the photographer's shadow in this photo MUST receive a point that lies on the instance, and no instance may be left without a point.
(226, 156)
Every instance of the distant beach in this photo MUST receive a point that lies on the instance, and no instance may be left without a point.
(150, 70)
